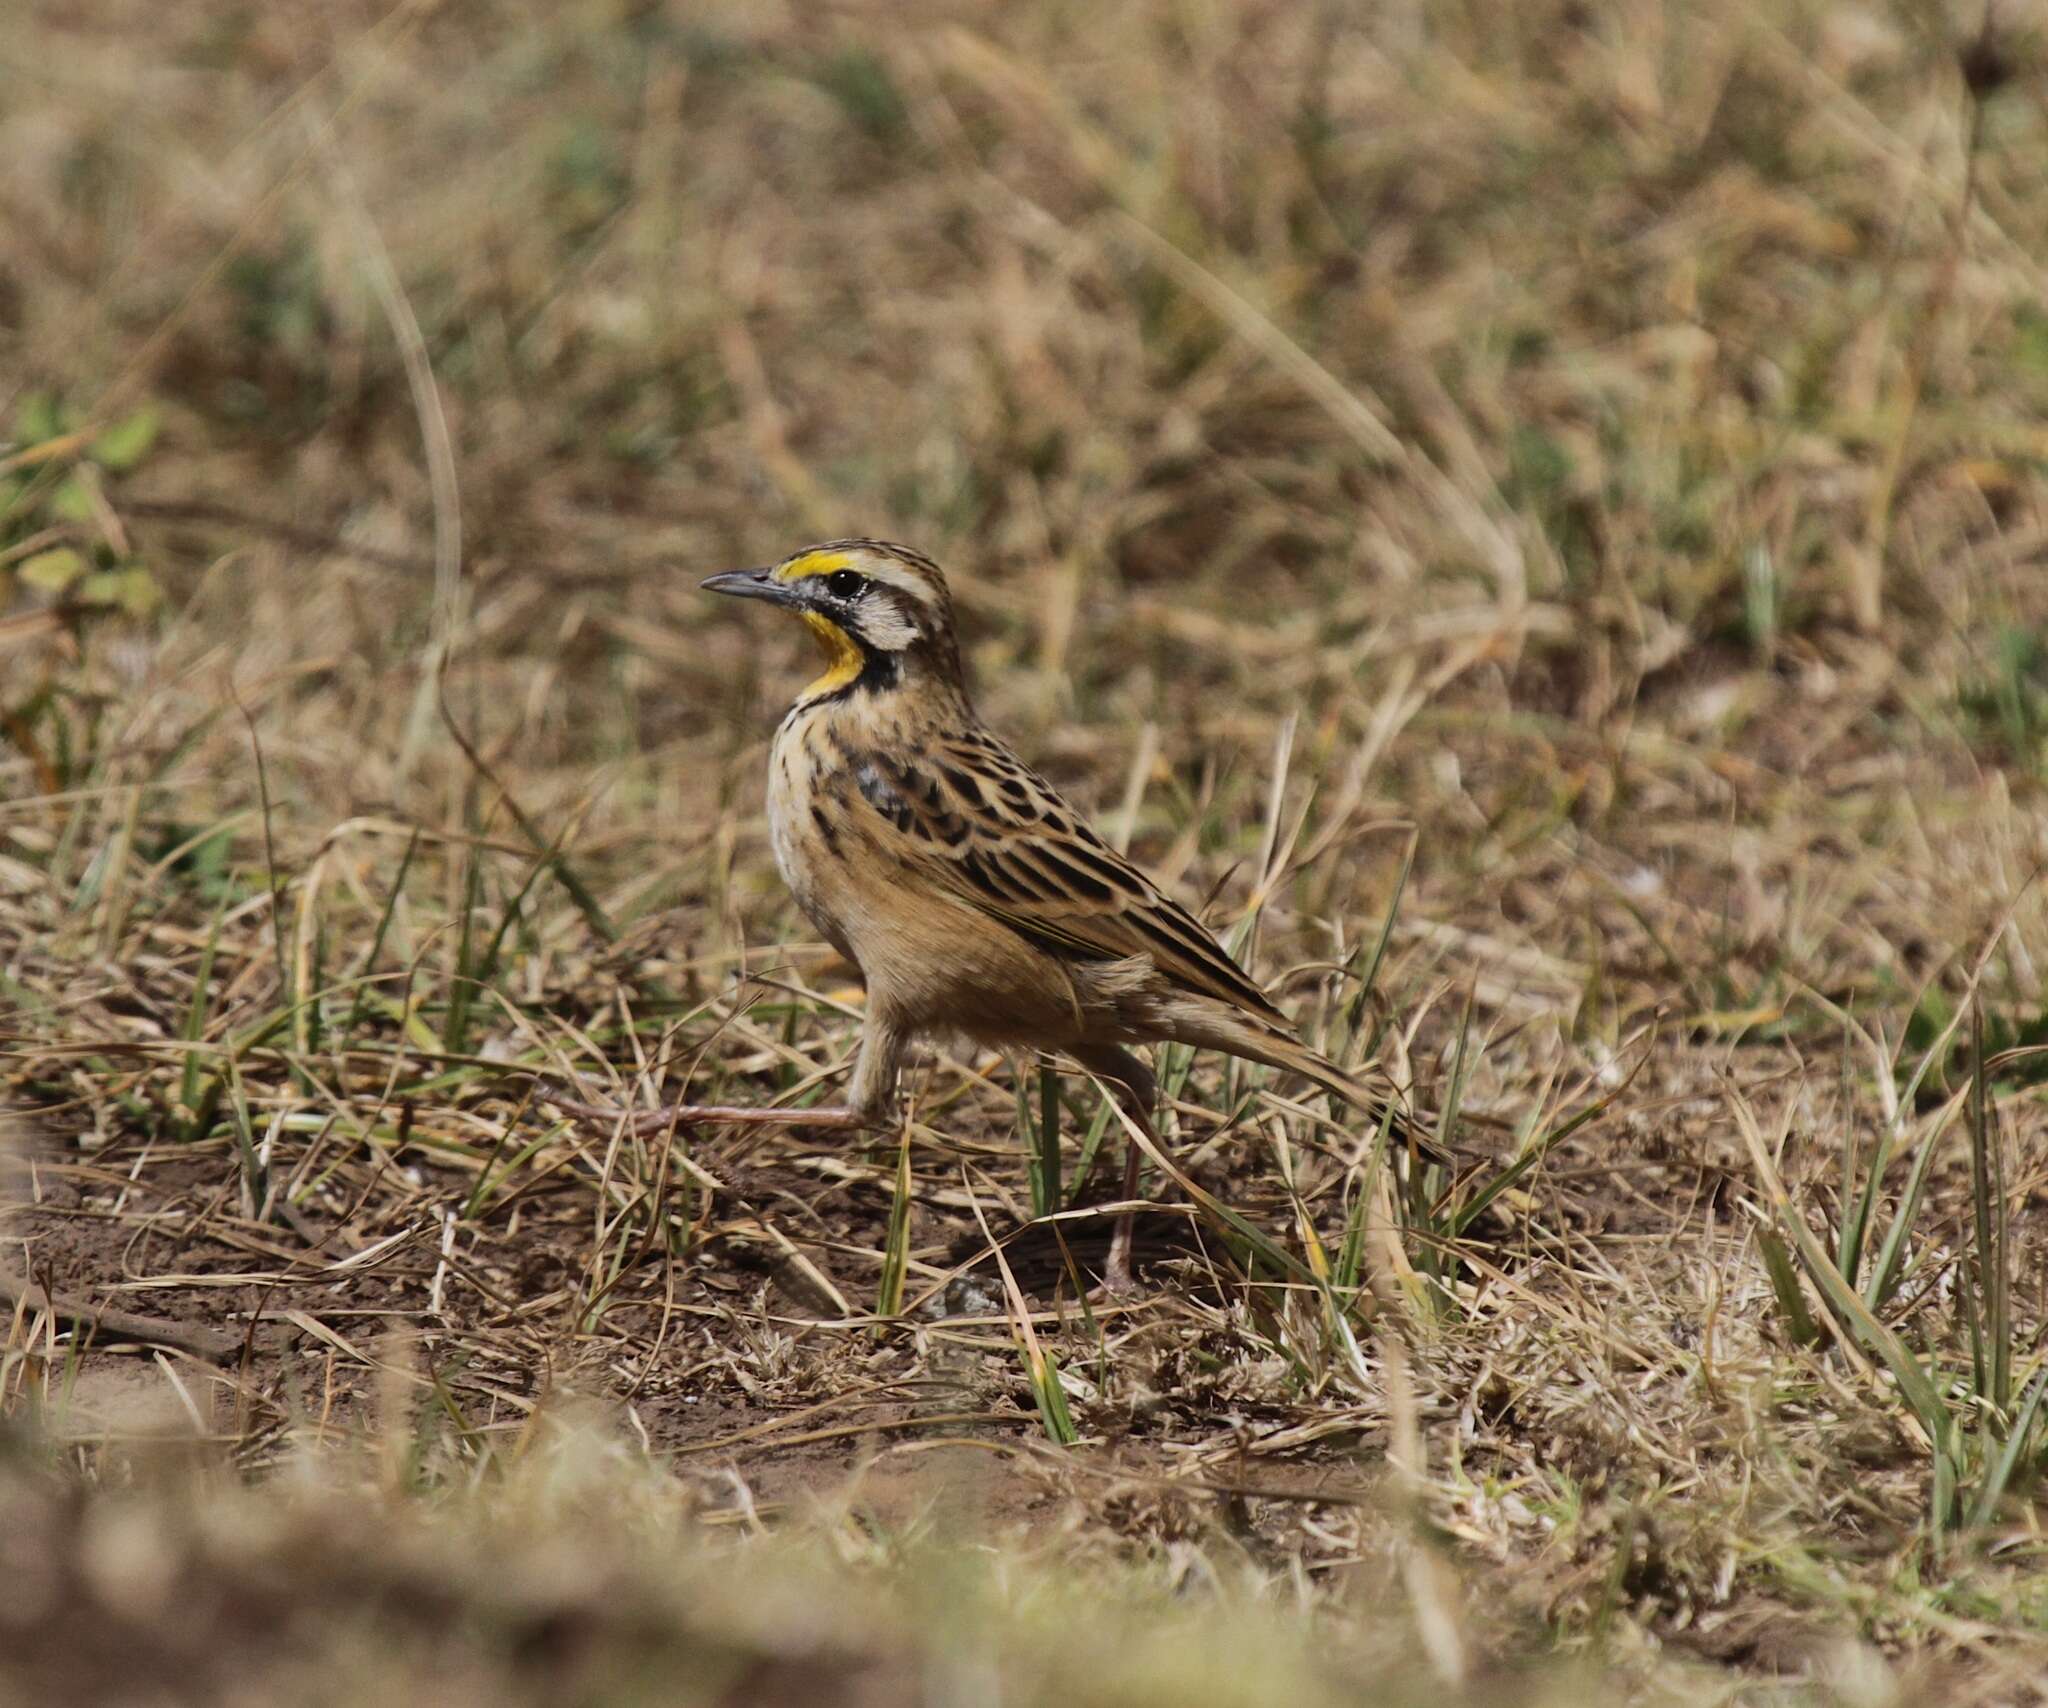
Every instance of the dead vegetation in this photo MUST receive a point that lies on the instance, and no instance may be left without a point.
(1532, 516)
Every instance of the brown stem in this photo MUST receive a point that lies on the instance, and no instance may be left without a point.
(121, 1325)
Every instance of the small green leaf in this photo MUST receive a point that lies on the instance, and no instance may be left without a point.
(36, 418)
(131, 589)
(52, 571)
(862, 85)
(127, 442)
(139, 593)
(71, 502)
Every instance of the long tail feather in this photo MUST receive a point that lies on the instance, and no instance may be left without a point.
(1373, 1095)
(1377, 1098)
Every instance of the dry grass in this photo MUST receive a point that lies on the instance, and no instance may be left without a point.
(1602, 444)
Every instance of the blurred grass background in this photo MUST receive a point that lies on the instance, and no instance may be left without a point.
(1603, 441)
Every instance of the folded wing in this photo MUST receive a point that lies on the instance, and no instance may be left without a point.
(994, 833)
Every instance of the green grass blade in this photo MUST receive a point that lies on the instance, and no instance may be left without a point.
(1847, 1194)
(462, 986)
(196, 1015)
(1991, 1302)
(1044, 1372)
(896, 1248)
(487, 963)
(1091, 1142)
(368, 967)
(1045, 1173)
(1800, 1328)
(1915, 1386)
(1368, 977)
(1470, 1209)
(1886, 1273)
(1998, 1474)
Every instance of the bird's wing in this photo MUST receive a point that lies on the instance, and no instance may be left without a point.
(992, 832)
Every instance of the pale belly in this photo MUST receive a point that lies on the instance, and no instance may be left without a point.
(808, 866)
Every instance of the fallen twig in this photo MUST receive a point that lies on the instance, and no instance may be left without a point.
(121, 1325)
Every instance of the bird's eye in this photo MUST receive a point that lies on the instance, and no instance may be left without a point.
(844, 583)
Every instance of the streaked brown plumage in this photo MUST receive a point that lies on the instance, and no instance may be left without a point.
(973, 898)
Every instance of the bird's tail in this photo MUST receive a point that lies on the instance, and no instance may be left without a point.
(1372, 1094)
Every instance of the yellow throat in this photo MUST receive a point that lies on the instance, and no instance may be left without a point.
(843, 657)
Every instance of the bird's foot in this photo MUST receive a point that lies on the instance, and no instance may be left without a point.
(1115, 1289)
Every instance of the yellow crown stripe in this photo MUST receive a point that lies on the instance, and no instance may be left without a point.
(813, 563)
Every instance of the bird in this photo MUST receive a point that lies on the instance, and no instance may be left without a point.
(973, 899)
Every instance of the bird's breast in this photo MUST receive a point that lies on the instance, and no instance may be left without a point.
(792, 832)
(808, 828)
(841, 854)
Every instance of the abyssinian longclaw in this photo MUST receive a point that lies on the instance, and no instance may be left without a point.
(973, 899)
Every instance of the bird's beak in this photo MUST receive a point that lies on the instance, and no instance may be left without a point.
(752, 584)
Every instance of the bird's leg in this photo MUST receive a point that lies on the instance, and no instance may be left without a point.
(871, 1098)
(1116, 1274)
(884, 1040)
(1134, 1087)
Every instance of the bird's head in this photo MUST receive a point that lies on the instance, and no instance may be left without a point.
(880, 612)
